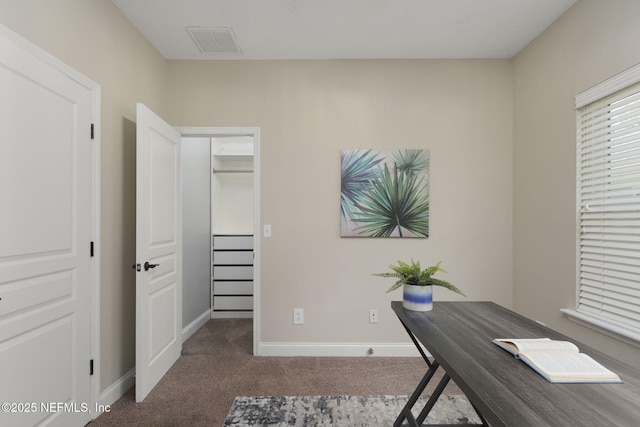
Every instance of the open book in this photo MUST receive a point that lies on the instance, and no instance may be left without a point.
(557, 361)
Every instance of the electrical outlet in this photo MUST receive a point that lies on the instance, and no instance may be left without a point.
(298, 316)
(373, 316)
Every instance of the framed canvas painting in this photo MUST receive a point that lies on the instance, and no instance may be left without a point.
(384, 193)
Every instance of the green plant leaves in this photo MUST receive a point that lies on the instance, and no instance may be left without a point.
(412, 274)
(395, 202)
(358, 170)
(411, 161)
(385, 196)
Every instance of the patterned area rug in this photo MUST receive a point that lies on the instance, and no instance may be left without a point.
(347, 411)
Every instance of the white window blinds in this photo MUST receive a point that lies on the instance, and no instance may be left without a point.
(609, 208)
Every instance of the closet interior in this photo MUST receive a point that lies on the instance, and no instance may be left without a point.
(232, 226)
(218, 226)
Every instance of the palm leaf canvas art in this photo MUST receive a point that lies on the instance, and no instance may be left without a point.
(384, 193)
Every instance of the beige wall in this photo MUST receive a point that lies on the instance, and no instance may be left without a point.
(95, 39)
(461, 110)
(307, 112)
(593, 41)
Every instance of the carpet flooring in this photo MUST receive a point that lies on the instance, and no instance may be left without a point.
(217, 365)
(341, 411)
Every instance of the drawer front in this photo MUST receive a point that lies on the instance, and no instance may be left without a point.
(233, 288)
(233, 303)
(232, 242)
(232, 273)
(233, 257)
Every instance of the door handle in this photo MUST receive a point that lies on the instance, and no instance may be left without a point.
(147, 266)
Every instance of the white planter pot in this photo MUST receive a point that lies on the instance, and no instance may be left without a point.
(417, 298)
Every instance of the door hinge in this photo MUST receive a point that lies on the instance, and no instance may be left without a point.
(91, 367)
(91, 249)
(91, 130)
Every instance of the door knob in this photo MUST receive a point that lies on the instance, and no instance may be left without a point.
(147, 266)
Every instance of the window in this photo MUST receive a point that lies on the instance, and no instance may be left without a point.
(608, 185)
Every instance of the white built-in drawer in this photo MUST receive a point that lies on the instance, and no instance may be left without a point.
(232, 272)
(233, 288)
(232, 242)
(233, 257)
(233, 303)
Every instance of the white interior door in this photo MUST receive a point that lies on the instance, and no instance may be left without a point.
(45, 240)
(158, 250)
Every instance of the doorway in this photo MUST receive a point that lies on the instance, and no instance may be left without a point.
(221, 223)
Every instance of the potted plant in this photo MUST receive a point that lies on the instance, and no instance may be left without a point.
(417, 284)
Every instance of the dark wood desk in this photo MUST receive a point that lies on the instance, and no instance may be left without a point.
(503, 389)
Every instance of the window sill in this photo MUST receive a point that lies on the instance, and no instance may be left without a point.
(602, 326)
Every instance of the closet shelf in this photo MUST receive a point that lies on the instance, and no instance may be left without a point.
(232, 171)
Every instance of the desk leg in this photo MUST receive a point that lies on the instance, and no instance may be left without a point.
(406, 411)
(417, 344)
(433, 398)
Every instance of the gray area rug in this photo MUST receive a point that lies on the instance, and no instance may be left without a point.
(347, 411)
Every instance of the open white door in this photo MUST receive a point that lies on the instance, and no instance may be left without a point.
(158, 250)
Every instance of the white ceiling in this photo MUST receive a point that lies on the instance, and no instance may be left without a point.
(347, 29)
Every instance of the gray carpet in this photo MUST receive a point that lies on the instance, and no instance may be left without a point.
(217, 365)
(346, 411)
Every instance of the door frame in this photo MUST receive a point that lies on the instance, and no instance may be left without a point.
(254, 132)
(95, 405)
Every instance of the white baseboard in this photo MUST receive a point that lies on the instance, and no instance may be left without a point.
(115, 391)
(288, 349)
(192, 327)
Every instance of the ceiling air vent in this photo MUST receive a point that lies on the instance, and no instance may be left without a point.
(214, 39)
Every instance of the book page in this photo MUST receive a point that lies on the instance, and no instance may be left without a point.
(568, 367)
(535, 345)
